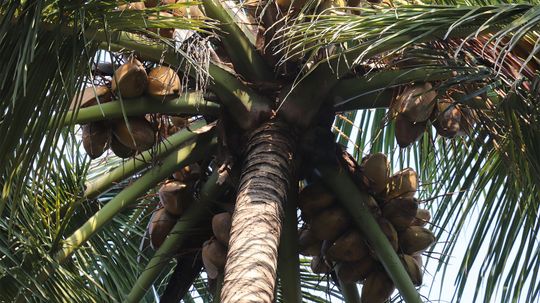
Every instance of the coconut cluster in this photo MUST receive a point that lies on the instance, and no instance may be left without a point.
(418, 104)
(214, 251)
(335, 244)
(175, 197)
(129, 81)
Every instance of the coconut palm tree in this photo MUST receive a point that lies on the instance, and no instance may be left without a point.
(265, 84)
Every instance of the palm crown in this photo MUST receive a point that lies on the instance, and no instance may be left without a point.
(264, 83)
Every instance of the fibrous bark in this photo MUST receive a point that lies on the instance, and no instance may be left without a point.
(250, 272)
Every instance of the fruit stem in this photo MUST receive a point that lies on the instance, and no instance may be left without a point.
(210, 192)
(350, 292)
(190, 103)
(355, 202)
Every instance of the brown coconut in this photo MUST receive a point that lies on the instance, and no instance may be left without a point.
(319, 266)
(314, 198)
(308, 243)
(350, 247)
(330, 223)
(376, 171)
(448, 122)
(350, 272)
(91, 95)
(400, 211)
(120, 150)
(417, 102)
(390, 232)
(180, 122)
(221, 226)
(132, 6)
(378, 288)
(176, 197)
(214, 256)
(130, 79)
(413, 268)
(96, 137)
(188, 173)
(415, 239)
(163, 83)
(402, 184)
(407, 132)
(161, 224)
(422, 217)
(140, 136)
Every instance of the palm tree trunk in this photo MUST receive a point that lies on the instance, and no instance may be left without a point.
(250, 272)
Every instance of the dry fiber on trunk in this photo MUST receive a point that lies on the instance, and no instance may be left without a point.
(250, 272)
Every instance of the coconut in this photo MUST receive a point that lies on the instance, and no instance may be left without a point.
(314, 198)
(422, 217)
(180, 122)
(413, 269)
(120, 150)
(308, 244)
(221, 226)
(319, 266)
(418, 259)
(96, 137)
(400, 211)
(448, 122)
(214, 256)
(192, 11)
(163, 82)
(140, 136)
(130, 79)
(390, 232)
(349, 247)
(330, 223)
(416, 103)
(378, 288)
(161, 224)
(415, 239)
(402, 184)
(132, 6)
(407, 132)
(376, 171)
(91, 95)
(350, 272)
(176, 197)
(188, 173)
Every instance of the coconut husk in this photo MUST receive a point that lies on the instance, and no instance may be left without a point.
(413, 269)
(415, 239)
(214, 256)
(402, 184)
(378, 288)
(350, 272)
(130, 79)
(308, 243)
(176, 197)
(376, 172)
(91, 95)
(416, 103)
(140, 138)
(163, 83)
(161, 224)
(180, 122)
(221, 226)
(314, 198)
(407, 132)
(400, 211)
(96, 137)
(189, 173)
(350, 247)
(330, 223)
(422, 217)
(418, 259)
(132, 6)
(120, 150)
(319, 266)
(390, 232)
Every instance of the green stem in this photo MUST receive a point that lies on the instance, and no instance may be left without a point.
(350, 292)
(288, 262)
(239, 99)
(353, 200)
(127, 197)
(178, 235)
(134, 165)
(190, 103)
(247, 61)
